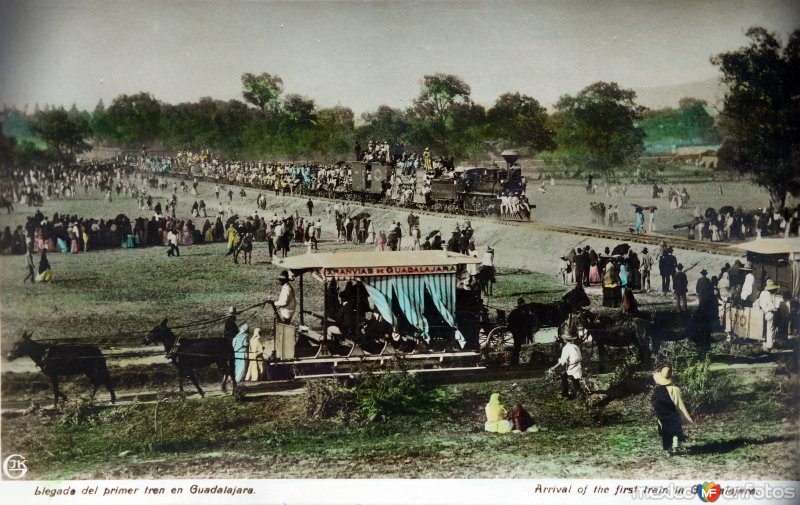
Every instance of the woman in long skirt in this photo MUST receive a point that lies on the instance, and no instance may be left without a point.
(255, 361)
(594, 274)
(240, 344)
(611, 291)
(381, 241)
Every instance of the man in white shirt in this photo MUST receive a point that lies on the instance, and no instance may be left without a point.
(748, 286)
(724, 290)
(573, 372)
(172, 242)
(766, 303)
(286, 303)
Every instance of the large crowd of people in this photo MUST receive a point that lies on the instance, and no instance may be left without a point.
(621, 272)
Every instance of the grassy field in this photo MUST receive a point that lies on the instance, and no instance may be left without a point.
(111, 297)
(753, 435)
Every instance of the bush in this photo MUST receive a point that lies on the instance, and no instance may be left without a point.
(703, 390)
(327, 399)
(79, 411)
(622, 379)
(380, 396)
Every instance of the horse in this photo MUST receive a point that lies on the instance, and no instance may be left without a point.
(246, 248)
(606, 332)
(5, 203)
(485, 279)
(190, 353)
(55, 360)
(555, 313)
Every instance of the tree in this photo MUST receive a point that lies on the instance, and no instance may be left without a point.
(598, 127)
(263, 90)
(299, 108)
(761, 113)
(63, 133)
(335, 130)
(433, 110)
(385, 123)
(520, 120)
(134, 119)
(688, 102)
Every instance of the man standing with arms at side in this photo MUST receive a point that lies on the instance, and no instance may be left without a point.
(645, 265)
(681, 285)
(706, 307)
(766, 303)
(666, 267)
(286, 303)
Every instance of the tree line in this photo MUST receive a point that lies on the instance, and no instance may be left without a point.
(600, 130)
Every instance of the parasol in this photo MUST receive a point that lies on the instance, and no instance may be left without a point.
(620, 250)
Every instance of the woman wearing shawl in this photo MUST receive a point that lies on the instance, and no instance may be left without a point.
(669, 408)
(610, 286)
(523, 422)
(45, 274)
(623, 276)
(255, 365)
(594, 273)
(240, 342)
(496, 414)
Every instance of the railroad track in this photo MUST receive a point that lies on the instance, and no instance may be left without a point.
(601, 233)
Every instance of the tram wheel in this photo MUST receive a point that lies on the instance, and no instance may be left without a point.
(498, 339)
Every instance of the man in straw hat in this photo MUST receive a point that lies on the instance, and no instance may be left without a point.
(767, 304)
(669, 408)
(286, 304)
(747, 294)
(571, 359)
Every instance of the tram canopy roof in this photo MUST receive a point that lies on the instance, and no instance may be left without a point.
(374, 259)
(771, 246)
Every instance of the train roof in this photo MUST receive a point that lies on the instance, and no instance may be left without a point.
(374, 259)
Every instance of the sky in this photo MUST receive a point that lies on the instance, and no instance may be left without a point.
(365, 54)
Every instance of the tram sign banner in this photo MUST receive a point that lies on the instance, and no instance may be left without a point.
(349, 272)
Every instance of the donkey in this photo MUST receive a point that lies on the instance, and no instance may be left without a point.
(5, 203)
(190, 353)
(65, 359)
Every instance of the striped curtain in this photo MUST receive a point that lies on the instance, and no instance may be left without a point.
(442, 290)
(409, 292)
(381, 295)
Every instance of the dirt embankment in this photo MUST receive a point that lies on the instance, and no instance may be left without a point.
(516, 246)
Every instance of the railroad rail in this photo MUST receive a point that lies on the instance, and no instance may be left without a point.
(601, 233)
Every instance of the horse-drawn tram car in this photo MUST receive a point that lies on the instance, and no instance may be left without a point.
(378, 308)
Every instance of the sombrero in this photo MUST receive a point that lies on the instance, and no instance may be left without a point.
(664, 377)
(771, 285)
